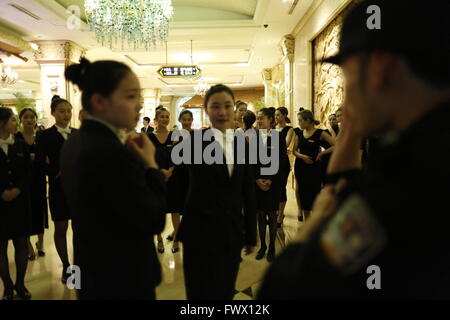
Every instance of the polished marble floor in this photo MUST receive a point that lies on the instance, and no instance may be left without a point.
(43, 274)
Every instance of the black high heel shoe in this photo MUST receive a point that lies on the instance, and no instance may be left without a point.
(23, 293)
(32, 257)
(261, 253)
(8, 295)
(160, 250)
(40, 252)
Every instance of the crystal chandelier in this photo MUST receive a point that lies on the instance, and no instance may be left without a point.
(8, 77)
(201, 88)
(141, 23)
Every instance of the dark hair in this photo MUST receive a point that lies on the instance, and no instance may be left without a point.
(5, 114)
(56, 100)
(284, 111)
(269, 113)
(301, 109)
(160, 109)
(101, 77)
(182, 113)
(308, 116)
(249, 119)
(26, 110)
(216, 89)
(239, 103)
(147, 119)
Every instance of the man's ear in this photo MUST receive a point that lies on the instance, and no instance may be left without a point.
(98, 102)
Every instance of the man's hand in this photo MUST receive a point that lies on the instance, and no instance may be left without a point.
(15, 192)
(7, 195)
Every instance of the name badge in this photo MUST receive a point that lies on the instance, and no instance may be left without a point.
(353, 236)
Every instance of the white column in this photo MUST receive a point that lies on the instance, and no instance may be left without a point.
(53, 57)
(288, 49)
(268, 89)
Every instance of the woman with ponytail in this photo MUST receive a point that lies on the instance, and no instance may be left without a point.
(49, 144)
(114, 189)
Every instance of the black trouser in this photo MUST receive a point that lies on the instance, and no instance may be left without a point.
(210, 276)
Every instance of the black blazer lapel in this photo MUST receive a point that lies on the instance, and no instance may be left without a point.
(220, 169)
(58, 136)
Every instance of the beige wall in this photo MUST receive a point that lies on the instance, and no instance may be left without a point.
(318, 17)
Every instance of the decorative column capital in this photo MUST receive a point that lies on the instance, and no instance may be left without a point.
(288, 47)
(267, 74)
(58, 50)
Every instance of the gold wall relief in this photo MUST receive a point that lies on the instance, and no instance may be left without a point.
(328, 80)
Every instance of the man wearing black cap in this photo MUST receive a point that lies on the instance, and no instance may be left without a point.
(385, 233)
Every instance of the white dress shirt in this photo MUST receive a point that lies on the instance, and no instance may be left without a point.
(119, 133)
(4, 144)
(64, 131)
(226, 140)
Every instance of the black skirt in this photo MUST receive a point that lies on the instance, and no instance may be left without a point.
(309, 181)
(15, 219)
(59, 209)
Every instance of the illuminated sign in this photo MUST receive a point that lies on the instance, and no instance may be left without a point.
(179, 71)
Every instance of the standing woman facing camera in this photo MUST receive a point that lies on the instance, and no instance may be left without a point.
(308, 156)
(113, 187)
(268, 187)
(241, 109)
(49, 145)
(162, 139)
(38, 185)
(214, 230)
(15, 219)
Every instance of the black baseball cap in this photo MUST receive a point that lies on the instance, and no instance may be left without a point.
(415, 29)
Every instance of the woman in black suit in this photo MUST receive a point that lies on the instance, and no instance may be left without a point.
(15, 219)
(268, 187)
(38, 185)
(214, 229)
(113, 187)
(49, 145)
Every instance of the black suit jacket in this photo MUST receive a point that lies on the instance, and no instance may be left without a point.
(49, 144)
(220, 211)
(117, 206)
(148, 131)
